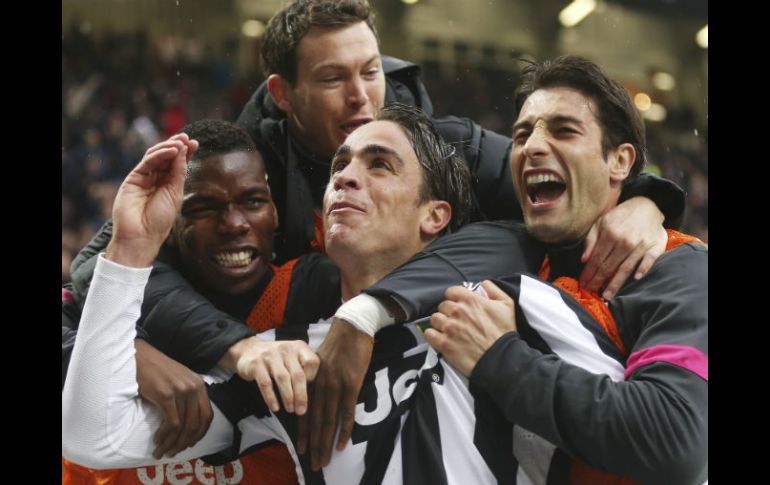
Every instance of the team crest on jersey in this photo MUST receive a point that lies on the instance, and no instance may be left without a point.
(471, 285)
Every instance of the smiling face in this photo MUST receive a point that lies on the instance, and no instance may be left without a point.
(563, 181)
(372, 207)
(225, 231)
(340, 86)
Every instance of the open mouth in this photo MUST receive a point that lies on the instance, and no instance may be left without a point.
(348, 128)
(234, 259)
(544, 187)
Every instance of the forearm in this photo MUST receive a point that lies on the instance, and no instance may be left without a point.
(104, 422)
(184, 325)
(476, 252)
(660, 416)
(668, 196)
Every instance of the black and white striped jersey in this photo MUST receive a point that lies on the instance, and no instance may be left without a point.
(418, 420)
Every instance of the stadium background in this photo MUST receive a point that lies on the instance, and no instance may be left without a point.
(135, 71)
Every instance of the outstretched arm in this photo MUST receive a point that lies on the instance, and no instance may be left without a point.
(104, 423)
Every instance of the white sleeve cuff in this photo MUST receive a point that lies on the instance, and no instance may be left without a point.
(123, 274)
(366, 313)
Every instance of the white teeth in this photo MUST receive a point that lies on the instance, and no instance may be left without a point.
(543, 177)
(233, 260)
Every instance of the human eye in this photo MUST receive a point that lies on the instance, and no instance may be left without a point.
(381, 163)
(520, 137)
(199, 211)
(566, 130)
(372, 72)
(255, 202)
(338, 165)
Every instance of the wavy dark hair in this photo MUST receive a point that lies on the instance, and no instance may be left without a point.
(289, 25)
(445, 175)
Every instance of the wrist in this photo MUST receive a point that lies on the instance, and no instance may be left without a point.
(365, 313)
(129, 254)
(229, 360)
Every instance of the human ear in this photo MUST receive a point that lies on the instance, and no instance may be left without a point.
(279, 88)
(621, 161)
(437, 217)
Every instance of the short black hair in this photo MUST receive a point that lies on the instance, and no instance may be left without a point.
(289, 25)
(445, 175)
(618, 117)
(217, 137)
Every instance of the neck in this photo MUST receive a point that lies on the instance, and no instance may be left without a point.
(355, 276)
(358, 272)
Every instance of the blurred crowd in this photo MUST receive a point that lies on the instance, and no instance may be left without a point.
(121, 93)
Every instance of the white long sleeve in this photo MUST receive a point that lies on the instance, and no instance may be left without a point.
(105, 424)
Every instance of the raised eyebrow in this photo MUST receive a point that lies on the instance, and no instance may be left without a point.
(341, 66)
(343, 150)
(372, 59)
(561, 119)
(521, 124)
(558, 119)
(374, 149)
(195, 198)
(261, 189)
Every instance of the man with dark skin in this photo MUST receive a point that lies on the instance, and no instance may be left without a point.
(222, 240)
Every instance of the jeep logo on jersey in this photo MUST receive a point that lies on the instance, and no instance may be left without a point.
(189, 472)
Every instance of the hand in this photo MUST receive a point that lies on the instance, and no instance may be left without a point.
(345, 354)
(468, 324)
(179, 393)
(291, 364)
(147, 202)
(628, 236)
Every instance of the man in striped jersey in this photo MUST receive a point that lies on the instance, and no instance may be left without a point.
(632, 397)
(382, 206)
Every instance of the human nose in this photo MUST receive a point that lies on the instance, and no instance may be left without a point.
(357, 95)
(537, 142)
(233, 221)
(348, 177)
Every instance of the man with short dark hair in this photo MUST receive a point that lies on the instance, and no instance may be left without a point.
(634, 401)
